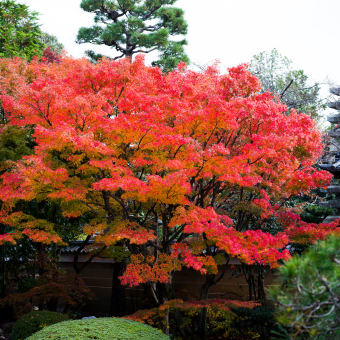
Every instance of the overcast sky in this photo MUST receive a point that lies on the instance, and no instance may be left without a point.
(231, 31)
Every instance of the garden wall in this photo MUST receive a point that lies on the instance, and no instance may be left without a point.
(99, 277)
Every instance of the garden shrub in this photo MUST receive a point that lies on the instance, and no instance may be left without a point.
(183, 320)
(99, 329)
(259, 320)
(35, 321)
(52, 289)
(307, 295)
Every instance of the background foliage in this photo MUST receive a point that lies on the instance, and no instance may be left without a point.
(292, 86)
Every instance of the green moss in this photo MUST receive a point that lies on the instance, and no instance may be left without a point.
(99, 329)
(33, 322)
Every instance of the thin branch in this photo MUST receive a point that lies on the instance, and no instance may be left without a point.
(145, 51)
(286, 88)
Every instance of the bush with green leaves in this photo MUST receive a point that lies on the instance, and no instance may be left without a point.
(33, 322)
(258, 321)
(308, 294)
(100, 329)
(210, 319)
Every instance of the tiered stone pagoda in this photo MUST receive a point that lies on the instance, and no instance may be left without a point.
(332, 159)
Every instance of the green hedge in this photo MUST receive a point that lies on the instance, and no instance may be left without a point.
(99, 329)
(33, 322)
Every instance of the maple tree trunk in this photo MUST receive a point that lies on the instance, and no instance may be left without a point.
(167, 321)
(165, 292)
(248, 274)
(2, 265)
(41, 258)
(255, 281)
(203, 323)
(261, 295)
(153, 293)
(210, 280)
(161, 292)
(2, 270)
(76, 267)
(117, 305)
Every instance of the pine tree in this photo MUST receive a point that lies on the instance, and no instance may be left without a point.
(133, 27)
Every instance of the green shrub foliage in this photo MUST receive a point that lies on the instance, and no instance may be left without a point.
(308, 293)
(35, 321)
(210, 319)
(99, 329)
(259, 320)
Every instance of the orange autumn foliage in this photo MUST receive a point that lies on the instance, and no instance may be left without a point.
(167, 164)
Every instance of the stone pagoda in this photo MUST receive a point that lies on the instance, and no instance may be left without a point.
(331, 161)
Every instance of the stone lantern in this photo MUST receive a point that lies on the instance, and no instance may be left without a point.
(333, 157)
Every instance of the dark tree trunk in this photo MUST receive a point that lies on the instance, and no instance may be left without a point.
(162, 293)
(165, 292)
(2, 270)
(203, 323)
(210, 280)
(2, 265)
(255, 280)
(117, 305)
(78, 252)
(42, 259)
(260, 284)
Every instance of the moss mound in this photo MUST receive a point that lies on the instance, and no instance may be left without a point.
(35, 321)
(99, 329)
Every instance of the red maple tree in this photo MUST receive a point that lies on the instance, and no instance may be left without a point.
(176, 167)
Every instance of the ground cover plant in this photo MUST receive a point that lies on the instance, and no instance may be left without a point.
(184, 169)
(100, 329)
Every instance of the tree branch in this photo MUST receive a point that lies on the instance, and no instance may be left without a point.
(286, 88)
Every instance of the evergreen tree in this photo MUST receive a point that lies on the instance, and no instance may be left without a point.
(137, 26)
(307, 293)
(19, 31)
(51, 41)
(276, 75)
(20, 34)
